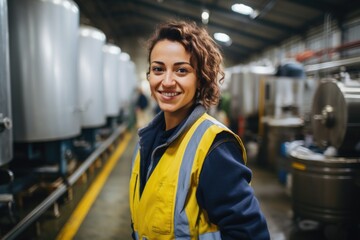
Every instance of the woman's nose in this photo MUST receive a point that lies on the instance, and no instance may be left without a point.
(168, 79)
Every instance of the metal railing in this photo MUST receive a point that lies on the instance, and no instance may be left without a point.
(30, 218)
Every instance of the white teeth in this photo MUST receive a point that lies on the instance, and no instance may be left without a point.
(171, 94)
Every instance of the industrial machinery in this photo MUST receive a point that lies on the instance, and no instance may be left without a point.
(6, 146)
(6, 149)
(245, 88)
(282, 115)
(326, 175)
(64, 86)
(43, 54)
(91, 88)
(90, 77)
(111, 82)
(336, 121)
(123, 78)
(127, 85)
(285, 91)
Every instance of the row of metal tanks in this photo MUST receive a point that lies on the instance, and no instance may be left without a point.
(63, 89)
(307, 132)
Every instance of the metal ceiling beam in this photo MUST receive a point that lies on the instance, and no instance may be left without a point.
(153, 7)
(337, 8)
(153, 19)
(327, 6)
(238, 17)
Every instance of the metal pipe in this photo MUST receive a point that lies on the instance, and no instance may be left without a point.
(332, 64)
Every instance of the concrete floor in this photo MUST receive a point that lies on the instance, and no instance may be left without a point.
(109, 216)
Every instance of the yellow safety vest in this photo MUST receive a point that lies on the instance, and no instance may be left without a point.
(168, 207)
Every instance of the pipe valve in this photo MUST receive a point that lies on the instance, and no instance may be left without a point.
(326, 117)
(5, 123)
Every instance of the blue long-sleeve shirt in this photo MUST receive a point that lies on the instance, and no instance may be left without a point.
(225, 193)
(223, 190)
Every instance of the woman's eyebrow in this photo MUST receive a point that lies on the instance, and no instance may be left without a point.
(175, 64)
(180, 63)
(157, 62)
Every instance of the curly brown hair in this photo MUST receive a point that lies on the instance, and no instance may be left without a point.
(205, 56)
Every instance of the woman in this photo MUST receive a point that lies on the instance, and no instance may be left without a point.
(189, 179)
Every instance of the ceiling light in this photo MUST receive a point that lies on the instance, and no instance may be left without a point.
(205, 16)
(244, 9)
(223, 37)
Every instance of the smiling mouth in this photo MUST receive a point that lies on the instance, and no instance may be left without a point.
(169, 94)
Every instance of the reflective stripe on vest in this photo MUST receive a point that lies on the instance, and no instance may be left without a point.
(206, 236)
(137, 147)
(210, 236)
(181, 223)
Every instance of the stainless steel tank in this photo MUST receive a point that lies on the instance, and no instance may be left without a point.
(278, 131)
(123, 79)
(284, 96)
(244, 89)
(133, 81)
(91, 78)
(326, 189)
(336, 118)
(6, 144)
(43, 54)
(247, 93)
(111, 79)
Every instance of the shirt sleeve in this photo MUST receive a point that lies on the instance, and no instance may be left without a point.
(224, 192)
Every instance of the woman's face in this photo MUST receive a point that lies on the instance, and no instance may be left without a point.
(172, 77)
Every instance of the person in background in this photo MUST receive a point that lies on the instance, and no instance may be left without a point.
(141, 105)
(220, 112)
(189, 179)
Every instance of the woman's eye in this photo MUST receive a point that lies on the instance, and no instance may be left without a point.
(182, 70)
(157, 69)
